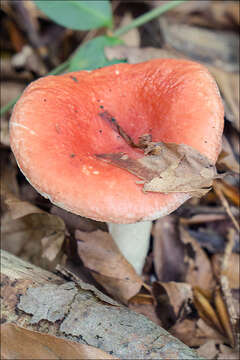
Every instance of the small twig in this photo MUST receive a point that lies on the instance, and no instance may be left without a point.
(224, 283)
(225, 204)
(228, 250)
(106, 116)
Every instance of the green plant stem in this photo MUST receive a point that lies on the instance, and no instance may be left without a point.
(55, 71)
(148, 17)
(135, 23)
(7, 107)
(60, 68)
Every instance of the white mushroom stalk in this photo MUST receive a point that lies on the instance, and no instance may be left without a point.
(133, 241)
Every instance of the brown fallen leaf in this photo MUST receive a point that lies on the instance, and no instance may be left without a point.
(226, 353)
(215, 14)
(230, 191)
(217, 48)
(186, 332)
(232, 271)
(74, 222)
(168, 168)
(174, 301)
(132, 37)
(228, 83)
(8, 176)
(145, 304)
(213, 349)
(135, 55)
(108, 266)
(31, 233)
(223, 315)
(206, 310)
(226, 159)
(209, 350)
(168, 250)
(20, 343)
(195, 332)
(199, 270)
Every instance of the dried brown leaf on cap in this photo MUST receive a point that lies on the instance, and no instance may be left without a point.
(166, 167)
(108, 266)
(20, 343)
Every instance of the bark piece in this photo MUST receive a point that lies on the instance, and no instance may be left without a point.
(130, 336)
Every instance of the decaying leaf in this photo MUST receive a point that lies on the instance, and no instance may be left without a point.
(168, 250)
(228, 83)
(226, 353)
(135, 55)
(74, 222)
(215, 14)
(209, 46)
(20, 343)
(226, 159)
(168, 168)
(209, 350)
(174, 301)
(31, 233)
(132, 37)
(223, 315)
(108, 266)
(144, 304)
(206, 310)
(232, 270)
(231, 192)
(199, 271)
(195, 332)
(214, 349)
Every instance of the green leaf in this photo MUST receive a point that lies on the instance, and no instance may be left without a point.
(91, 55)
(78, 14)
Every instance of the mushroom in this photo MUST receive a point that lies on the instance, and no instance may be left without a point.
(61, 123)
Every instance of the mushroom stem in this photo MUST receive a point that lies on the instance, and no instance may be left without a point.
(133, 241)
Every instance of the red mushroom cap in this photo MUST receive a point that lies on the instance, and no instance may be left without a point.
(56, 131)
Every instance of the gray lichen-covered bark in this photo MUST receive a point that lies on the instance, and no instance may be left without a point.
(39, 300)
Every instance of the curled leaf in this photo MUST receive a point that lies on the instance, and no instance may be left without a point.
(168, 167)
